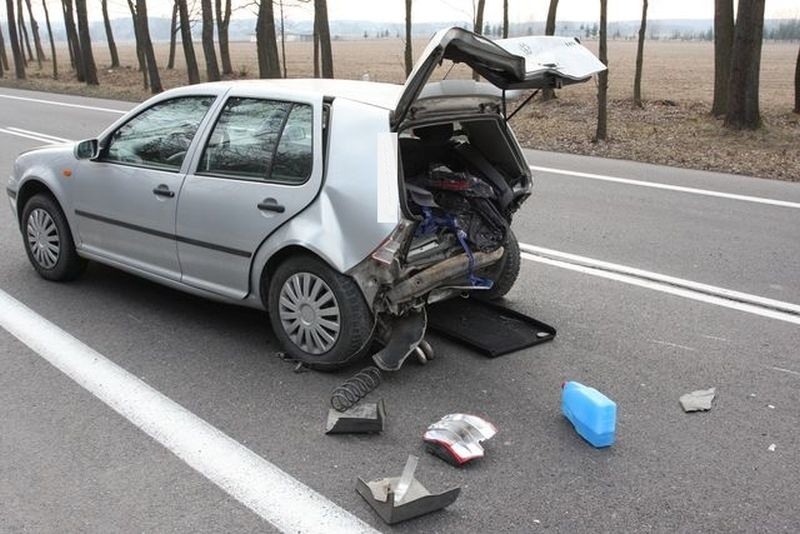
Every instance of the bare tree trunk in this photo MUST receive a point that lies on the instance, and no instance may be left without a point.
(223, 23)
(37, 42)
(550, 29)
(112, 46)
(797, 84)
(52, 42)
(149, 53)
(743, 112)
(602, 78)
(86, 43)
(23, 31)
(72, 39)
(505, 19)
(326, 52)
(266, 44)
(209, 52)
(3, 55)
(186, 41)
(478, 27)
(637, 78)
(283, 40)
(316, 47)
(173, 36)
(723, 47)
(409, 56)
(137, 33)
(16, 50)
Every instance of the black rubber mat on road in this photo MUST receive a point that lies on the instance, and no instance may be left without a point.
(491, 329)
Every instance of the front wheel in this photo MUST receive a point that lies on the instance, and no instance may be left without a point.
(504, 273)
(318, 315)
(48, 240)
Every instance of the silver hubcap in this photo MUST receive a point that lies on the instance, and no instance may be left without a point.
(309, 313)
(43, 239)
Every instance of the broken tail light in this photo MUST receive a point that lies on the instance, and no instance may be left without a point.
(456, 438)
(387, 251)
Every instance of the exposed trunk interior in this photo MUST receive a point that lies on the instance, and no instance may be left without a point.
(461, 181)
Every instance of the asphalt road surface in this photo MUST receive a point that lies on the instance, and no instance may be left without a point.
(69, 462)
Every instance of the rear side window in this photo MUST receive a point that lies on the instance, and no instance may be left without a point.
(260, 140)
(293, 159)
(160, 136)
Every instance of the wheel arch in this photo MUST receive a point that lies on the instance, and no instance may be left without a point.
(31, 187)
(268, 270)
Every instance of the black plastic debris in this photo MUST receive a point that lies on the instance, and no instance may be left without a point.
(398, 499)
(364, 418)
(489, 328)
(407, 333)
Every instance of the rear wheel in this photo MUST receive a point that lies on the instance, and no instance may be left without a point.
(504, 273)
(48, 240)
(319, 315)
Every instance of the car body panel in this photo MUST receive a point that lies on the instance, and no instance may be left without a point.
(46, 165)
(117, 212)
(340, 225)
(518, 63)
(224, 210)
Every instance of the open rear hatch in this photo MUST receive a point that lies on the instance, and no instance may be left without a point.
(516, 63)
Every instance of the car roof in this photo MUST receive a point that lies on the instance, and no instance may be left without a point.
(383, 95)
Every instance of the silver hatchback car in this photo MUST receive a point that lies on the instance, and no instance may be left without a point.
(340, 207)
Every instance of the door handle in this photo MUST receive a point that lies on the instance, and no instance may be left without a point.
(163, 191)
(270, 204)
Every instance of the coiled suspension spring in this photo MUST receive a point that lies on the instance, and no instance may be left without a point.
(355, 388)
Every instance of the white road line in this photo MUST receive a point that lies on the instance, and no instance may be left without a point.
(63, 104)
(666, 288)
(46, 136)
(29, 136)
(278, 498)
(657, 185)
(729, 294)
(782, 370)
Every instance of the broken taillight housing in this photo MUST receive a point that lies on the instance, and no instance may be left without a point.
(456, 438)
(387, 251)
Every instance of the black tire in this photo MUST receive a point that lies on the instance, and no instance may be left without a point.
(504, 273)
(68, 265)
(353, 340)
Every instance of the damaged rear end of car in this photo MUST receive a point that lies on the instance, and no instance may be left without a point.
(451, 175)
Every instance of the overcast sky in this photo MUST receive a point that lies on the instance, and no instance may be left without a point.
(461, 10)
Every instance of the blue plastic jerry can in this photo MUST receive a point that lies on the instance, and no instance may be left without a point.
(593, 415)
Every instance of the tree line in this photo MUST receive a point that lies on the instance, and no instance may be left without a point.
(737, 47)
(218, 15)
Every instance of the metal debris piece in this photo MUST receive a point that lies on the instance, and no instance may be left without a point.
(407, 333)
(456, 438)
(698, 401)
(397, 499)
(364, 418)
(771, 448)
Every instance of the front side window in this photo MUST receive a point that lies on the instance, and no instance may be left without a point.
(260, 140)
(160, 136)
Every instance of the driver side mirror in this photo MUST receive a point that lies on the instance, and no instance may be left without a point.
(87, 149)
